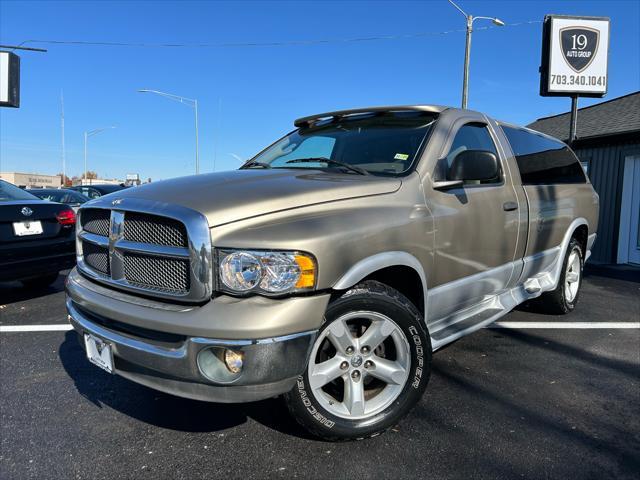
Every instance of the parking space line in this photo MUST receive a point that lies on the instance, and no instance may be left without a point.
(36, 328)
(511, 325)
(566, 325)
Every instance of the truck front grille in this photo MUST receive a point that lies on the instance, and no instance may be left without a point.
(96, 257)
(164, 274)
(146, 252)
(144, 228)
(96, 221)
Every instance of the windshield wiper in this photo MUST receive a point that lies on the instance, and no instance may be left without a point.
(255, 163)
(358, 170)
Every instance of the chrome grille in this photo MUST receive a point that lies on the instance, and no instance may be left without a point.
(96, 220)
(165, 274)
(143, 228)
(96, 257)
(146, 247)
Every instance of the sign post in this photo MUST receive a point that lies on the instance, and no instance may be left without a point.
(575, 58)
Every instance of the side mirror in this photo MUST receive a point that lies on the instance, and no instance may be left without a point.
(474, 165)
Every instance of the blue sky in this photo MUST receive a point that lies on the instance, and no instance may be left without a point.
(249, 96)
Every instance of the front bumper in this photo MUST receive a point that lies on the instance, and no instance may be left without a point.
(167, 361)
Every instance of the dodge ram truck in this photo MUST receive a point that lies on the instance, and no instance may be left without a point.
(330, 266)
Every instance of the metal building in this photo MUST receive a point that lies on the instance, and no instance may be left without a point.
(608, 145)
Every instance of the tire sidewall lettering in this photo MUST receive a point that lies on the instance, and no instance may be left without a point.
(308, 404)
(419, 351)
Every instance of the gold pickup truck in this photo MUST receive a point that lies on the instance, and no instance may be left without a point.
(331, 266)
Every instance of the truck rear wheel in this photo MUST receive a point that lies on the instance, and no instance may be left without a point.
(368, 367)
(564, 298)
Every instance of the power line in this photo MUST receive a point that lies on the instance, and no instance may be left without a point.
(20, 47)
(263, 44)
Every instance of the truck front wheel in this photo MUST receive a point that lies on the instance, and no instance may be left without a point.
(368, 366)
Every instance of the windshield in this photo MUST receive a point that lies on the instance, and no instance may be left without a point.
(383, 144)
(9, 192)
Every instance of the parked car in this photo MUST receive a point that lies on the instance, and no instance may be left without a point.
(37, 238)
(96, 191)
(60, 195)
(332, 264)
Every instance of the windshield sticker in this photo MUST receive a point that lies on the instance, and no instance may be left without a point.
(401, 156)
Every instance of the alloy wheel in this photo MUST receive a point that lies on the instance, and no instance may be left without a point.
(359, 365)
(572, 276)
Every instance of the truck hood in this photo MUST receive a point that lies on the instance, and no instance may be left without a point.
(235, 195)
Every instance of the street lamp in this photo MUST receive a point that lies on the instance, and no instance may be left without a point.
(467, 52)
(88, 134)
(187, 101)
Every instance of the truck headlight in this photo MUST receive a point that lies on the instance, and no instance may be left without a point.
(267, 272)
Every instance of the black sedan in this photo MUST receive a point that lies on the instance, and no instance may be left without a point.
(98, 190)
(61, 195)
(37, 237)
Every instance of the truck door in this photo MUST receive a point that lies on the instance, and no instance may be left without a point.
(476, 227)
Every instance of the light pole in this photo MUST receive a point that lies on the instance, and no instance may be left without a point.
(64, 152)
(187, 101)
(88, 134)
(467, 52)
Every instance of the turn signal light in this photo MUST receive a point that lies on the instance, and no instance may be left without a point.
(66, 217)
(307, 271)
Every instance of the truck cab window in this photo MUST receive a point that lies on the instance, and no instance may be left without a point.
(472, 136)
(543, 160)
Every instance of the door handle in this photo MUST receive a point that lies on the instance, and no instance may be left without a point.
(509, 206)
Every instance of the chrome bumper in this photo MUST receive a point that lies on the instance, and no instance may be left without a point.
(271, 365)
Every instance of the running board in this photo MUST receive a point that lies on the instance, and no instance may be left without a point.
(468, 320)
(465, 324)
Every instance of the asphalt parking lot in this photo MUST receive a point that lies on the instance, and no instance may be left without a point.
(502, 403)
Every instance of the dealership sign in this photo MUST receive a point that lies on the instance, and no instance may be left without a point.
(9, 80)
(575, 53)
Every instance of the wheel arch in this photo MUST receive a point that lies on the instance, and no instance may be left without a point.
(577, 228)
(581, 233)
(397, 269)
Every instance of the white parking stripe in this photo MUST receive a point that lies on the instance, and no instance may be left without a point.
(565, 325)
(35, 328)
(512, 325)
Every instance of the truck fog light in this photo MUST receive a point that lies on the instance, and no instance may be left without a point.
(233, 360)
(220, 365)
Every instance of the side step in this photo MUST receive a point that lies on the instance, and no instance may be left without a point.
(465, 324)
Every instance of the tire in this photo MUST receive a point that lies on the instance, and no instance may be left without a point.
(393, 372)
(565, 297)
(40, 282)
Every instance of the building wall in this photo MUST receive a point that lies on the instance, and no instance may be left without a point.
(100, 181)
(606, 169)
(32, 180)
